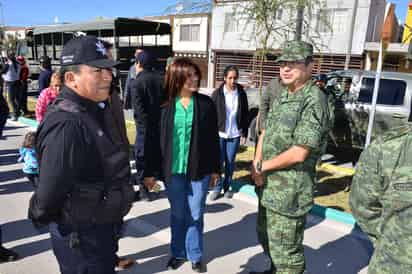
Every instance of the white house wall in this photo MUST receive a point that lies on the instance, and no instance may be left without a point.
(335, 42)
(190, 46)
(238, 40)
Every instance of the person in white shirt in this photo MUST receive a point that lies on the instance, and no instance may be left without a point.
(232, 116)
(11, 76)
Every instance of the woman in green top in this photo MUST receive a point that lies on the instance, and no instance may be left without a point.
(189, 159)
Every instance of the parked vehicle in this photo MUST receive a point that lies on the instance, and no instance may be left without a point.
(355, 91)
(126, 34)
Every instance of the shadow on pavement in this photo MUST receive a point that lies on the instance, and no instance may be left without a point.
(11, 188)
(9, 159)
(21, 229)
(12, 127)
(348, 254)
(11, 175)
(33, 248)
(9, 151)
(161, 219)
(228, 235)
(13, 135)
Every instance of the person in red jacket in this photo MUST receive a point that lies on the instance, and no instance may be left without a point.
(24, 76)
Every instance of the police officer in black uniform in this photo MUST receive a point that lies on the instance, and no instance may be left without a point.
(84, 188)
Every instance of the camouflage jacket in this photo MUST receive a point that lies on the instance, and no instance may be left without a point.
(301, 118)
(381, 200)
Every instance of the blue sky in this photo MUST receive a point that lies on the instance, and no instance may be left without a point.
(29, 12)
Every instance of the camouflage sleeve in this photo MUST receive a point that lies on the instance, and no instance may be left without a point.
(311, 126)
(266, 101)
(367, 187)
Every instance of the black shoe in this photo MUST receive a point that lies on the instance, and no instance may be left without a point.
(175, 263)
(199, 267)
(6, 255)
(228, 194)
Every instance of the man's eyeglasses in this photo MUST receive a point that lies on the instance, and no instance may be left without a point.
(291, 64)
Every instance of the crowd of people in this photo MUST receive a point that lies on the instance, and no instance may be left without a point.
(78, 159)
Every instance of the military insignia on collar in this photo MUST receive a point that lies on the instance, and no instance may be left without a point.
(100, 48)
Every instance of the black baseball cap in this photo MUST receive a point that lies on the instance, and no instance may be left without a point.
(86, 50)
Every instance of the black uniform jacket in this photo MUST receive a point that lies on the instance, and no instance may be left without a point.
(68, 155)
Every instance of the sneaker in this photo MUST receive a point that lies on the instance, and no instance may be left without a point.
(14, 118)
(228, 194)
(175, 263)
(7, 255)
(214, 195)
(199, 267)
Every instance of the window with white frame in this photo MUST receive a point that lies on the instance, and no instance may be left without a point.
(340, 20)
(324, 20)
(190, 32)
(231, 24)
(279, 14)
(332, 20)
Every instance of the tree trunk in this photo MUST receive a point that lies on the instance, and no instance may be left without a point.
(299, 21)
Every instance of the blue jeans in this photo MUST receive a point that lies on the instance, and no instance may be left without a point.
(13, 90)
(228, 150)
(187, 205)
(95, 254)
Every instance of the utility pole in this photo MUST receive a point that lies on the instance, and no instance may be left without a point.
(351, 30)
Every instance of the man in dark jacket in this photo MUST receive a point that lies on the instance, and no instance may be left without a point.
(45, 73)
(146, 94)
(131, 75)
(84, 189)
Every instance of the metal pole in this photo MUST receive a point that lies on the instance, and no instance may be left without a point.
(375, 96)
(351, 30)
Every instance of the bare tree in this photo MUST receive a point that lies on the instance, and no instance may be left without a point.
(275, 21)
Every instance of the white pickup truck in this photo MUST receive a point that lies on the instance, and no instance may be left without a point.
(352, 110)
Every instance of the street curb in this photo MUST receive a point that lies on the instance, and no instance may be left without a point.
(345, 171)
(318, 210)
(28, 122)
(247, 189)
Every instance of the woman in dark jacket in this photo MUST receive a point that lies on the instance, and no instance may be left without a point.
(232, 116)
(189, 159)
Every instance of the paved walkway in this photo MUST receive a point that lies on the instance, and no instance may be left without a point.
(230, 239)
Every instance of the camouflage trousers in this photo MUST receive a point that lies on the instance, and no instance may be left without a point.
(281, 238)
(387, 259)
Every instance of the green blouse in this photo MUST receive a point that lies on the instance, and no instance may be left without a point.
(182, 132)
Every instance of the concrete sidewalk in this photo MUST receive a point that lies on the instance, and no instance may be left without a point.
(230, 239)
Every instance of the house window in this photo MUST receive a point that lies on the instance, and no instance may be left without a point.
(332, 20)
(340, 20)
(278, 14)
(324, 21)
(231, 24)
(190, 32)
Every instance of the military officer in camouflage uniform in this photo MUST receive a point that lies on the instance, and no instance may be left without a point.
(284, 166)
(381, 200)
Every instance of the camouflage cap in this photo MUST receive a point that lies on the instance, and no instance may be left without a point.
(295, 50)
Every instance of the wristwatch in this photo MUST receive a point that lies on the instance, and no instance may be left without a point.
(259, 166)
